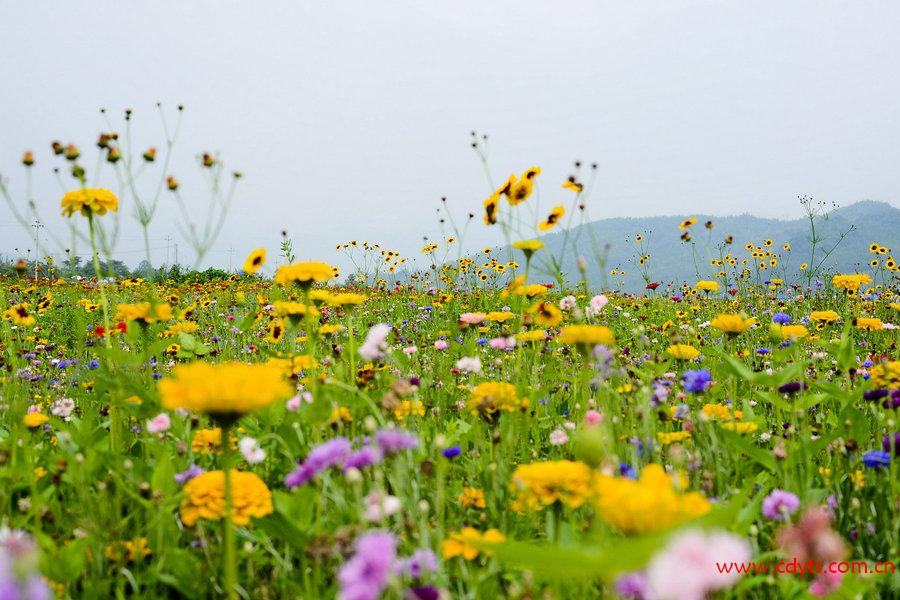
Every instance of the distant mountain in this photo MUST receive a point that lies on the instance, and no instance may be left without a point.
(672, 260)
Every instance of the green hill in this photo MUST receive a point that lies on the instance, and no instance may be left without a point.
(672, 259)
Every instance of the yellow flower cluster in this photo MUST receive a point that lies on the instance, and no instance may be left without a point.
(304, 273)
(673, 437)
(732, 324)
(586, 335)
(469, 543)
(89, 201)
(144, 312)
(204, 498)
(493, 396)
(541, 484)
(851, 283)
(886, 375)
(224, 389)
(870, 323)
(649, 504)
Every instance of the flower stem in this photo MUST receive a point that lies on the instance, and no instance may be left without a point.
(229, 566)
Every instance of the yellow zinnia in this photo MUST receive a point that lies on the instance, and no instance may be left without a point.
(204, 498)
(89, 201)
(226, 389)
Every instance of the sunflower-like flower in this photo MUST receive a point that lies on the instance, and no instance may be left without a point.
(707, 286)
(826, 316)
(294, 365)
(870, 323)
(553, 218)
(204, 498)
(493, 396)
(649, 504)
(254, 261)
(586, 335)
(851, 283)
(546, 314)
(793, 332)
(225, 390)
(345, 300)
(89, 201)
(542, 484)
(529, 247)
(19, 314)
(732, 324)
(682, 352)
(144, 313)
(469, 543)
(295, 311)
(304, 273)
(886, 375)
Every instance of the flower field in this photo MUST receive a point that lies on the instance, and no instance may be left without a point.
(483, 427)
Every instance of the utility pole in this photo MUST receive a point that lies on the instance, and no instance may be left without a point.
(230, 256)
(168, 241)
(37, 235)
(176, 253)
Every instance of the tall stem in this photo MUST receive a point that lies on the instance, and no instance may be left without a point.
(230, 560)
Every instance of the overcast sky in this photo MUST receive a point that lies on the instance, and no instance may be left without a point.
(350, 119)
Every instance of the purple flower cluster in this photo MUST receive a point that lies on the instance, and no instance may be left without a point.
(697, 381)
(365, 576)
(339, 452)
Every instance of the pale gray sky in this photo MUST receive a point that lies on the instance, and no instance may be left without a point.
(350, 119)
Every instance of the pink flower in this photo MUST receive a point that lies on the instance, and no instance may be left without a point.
(251, 450)
(558, 437)
(502, 343)
(380, 505)
(568, 303)
(592, 417)
(376, 342)
(596, 305)
(471, 318)
(825, 584)
(441, 344)
(159, 424)
(410, 350)
(686, 568)
(469, 364)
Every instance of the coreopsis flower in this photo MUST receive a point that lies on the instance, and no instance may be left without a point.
(682, 352)
(707, 286)
(472, 498)
(732, 324)
(545, 314)
(493, 396)
(553, 218)
(648, 504)
(304, 273)
(19, 314)
(89, 202)
(204, 498)
(255, 260)
(542, 484)
(869, 323)
(586, 335)
(345, 300)
(827, 316)
(687, 224)
(572, 184)
(851, 283)
(490, 209)
(469, 543)
(886, 375)
(144, 313)
(528, 247)
(225, 390)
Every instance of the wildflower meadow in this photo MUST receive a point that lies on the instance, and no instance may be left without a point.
(462, 423)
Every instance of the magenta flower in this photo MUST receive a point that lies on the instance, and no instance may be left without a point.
(365, 576)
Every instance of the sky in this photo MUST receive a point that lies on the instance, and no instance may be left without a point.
(350, 119)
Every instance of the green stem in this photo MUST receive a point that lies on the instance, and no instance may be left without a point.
(230, 557)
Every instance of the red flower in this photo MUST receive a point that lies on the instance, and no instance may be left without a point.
(121, 327)
(99, 331)
(652, 285)
(732, 291)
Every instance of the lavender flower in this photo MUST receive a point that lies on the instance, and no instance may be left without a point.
(780, 504)
(188, 474)
(392, 441)
(364, 457)
(320, 458)
(365, 576)
(697, 381)
(422, 562)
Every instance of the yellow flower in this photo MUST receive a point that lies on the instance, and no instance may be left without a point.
(490, 209)
(740, 428)
(546, 314)
(553, 218)
(409, 408)
(673, 437)
(850, 283)
(34, 419)
(304, 273)
(682, 352)
(886, 375)
(492, 396)
(707, 286)
(535, 335)
(226, 389)
(573, 185)
(544, 483)
(687, 224)
(345, 299)
(869, 323)
(828, 316)
(714, 412)
(204, 498)
(128, 550)
(472, 498)
(207, 441)
(499, 316)
(19, 314)
(294, 365)
(294, 310)
(586, 335)
(330, 329)
(529, 247)
(470, 542)
(732, 324)
(254, 261)
(276, 331)
(89, 201)
(649, 504)
(182, 327)
(793, 332)
(144, 312)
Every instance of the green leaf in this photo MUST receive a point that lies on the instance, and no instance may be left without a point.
(759, 455)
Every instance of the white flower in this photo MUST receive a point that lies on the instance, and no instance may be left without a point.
(251, 451)
(596, 305)
(558, 437)
(380, 505)
(567, 303)
(376, 342)
(63, 408)
(469, 364)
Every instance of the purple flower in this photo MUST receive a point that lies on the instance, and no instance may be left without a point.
(364, 457)
(188, 474)
(365, 576)
(697, 381)
(452, 452)
(781, 318)
(425, 592)
(422, 562)
(780, 504)
(792, 387)
(320, 458)
(393, 440)
(891, 440)
(876, 458)
(632, 585)
(875, 394)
